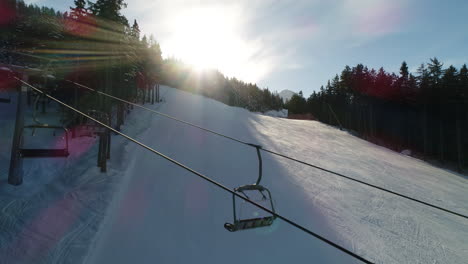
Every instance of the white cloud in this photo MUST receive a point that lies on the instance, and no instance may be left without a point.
(33, 1)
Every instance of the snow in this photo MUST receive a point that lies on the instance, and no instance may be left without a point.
(406, 152)
(147, 210)
(274, 113)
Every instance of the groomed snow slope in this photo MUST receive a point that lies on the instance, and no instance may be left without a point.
(147, 210)
(164, 214)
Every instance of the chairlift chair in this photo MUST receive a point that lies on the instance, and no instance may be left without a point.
(250, 223)
(44, 152)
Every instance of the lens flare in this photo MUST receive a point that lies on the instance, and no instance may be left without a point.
(82, 24)
(7, 13)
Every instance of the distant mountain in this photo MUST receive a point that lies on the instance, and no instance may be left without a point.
(286, 95)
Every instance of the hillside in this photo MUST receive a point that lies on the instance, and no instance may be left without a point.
(146, 210)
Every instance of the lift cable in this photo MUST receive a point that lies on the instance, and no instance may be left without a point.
(206, 178)
(277, 154)
(159, 113)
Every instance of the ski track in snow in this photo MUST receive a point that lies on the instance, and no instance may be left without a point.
(146, 210)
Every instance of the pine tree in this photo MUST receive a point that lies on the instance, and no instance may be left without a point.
(297, 104)
(346, 79)
(463, 87)
(462, 116)
(435, 74)
(404, 70)
(402, 84)
(423, 81)
(109, 10)
(450, 84)
(79, 6)
(412, 88)
(335, 85)
(135, 31)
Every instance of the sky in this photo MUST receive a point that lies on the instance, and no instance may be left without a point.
(300, 44)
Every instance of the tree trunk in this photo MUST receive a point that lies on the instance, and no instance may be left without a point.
(459, 142)
(441, 140)
(425, 131)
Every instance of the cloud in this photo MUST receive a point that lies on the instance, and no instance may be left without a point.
(375, 18)
(293, 66)
(33, 1)
(361, 21)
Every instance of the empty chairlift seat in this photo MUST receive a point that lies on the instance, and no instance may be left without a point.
(46, 152)
(249, 191)
(249, 223)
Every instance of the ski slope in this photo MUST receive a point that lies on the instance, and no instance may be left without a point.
(147, 210)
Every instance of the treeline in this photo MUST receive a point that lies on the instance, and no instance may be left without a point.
(94, 44)
(213, 84)
(426, 112)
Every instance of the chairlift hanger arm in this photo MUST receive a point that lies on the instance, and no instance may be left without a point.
(260, 165)
(36, 102)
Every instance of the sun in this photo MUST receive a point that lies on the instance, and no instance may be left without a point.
(205, 38)
(212, 38)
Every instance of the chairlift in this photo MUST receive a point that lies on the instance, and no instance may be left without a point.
(250, 223)
(43, 152)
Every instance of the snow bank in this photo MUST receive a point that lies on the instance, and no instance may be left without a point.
(281, 113)
(406, 152)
